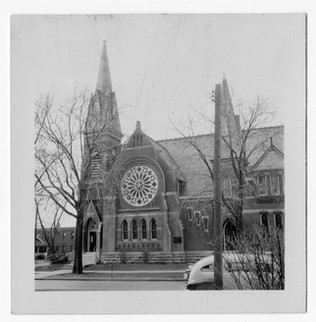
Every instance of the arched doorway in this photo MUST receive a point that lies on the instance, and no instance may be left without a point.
(229, 235)
(92, 235)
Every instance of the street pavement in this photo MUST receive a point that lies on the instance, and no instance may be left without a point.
(65, 273)
(94, 280)
(92, 285)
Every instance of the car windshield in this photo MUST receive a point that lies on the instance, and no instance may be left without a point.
(206, 268)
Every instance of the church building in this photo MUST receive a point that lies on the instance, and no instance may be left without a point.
(152, 201)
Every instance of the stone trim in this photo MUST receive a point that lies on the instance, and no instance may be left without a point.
(256, 211)
(154, 257)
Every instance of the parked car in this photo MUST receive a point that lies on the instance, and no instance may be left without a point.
(200, 276)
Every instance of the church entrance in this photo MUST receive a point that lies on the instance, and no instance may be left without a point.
(92, 236)
(229, 235)
(93, 241)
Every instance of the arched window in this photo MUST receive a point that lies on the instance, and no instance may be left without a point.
(153, 229)
(181, 188)
(190, 214)
(134, 229)
(227, 187)
(137, 140)
(144, 229)
(278, 220)
(197, 216)
(264, 221)
(205, 223)
(124, 230)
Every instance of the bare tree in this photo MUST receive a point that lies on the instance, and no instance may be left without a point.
(238, 146)
(66, 145)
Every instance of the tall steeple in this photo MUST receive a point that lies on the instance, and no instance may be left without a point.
(103, 112)
(230, 121)
(104, 83)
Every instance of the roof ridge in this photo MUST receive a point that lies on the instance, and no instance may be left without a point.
(268, 127)
(186, 137)
(212, 134)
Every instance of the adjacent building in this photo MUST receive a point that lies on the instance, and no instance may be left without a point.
(61, 240)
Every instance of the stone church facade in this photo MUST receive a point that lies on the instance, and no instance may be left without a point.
(152, 200)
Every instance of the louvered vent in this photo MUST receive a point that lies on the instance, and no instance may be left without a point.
(95, 165)
(137, 140)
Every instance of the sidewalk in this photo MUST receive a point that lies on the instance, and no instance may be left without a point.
(127, 275)
(44, 275)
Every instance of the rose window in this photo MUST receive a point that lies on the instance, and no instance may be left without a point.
(139, 186)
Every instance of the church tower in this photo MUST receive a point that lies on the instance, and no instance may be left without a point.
(103, 132)
(102, 144)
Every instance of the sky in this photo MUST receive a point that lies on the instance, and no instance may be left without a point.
(163, 67)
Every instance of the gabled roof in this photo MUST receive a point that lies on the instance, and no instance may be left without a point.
(194, 169)
(160, 149)
(91, 213)
(271, 159)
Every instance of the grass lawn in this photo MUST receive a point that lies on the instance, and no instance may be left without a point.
(49, 268)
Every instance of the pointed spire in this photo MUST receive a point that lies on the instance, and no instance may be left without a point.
(104, 83)
(104, 100)
(225, 90)
(231, 123)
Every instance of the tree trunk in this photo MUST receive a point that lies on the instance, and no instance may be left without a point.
(239, 226)
(240, 206)
(78, 267)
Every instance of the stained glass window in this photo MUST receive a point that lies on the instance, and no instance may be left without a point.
(139, 186)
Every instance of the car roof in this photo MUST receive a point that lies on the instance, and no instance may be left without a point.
(205, 261)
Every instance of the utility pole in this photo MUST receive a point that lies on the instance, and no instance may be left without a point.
(218, 242)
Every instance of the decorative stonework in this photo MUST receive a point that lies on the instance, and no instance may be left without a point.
(139, 186)
(154, 246)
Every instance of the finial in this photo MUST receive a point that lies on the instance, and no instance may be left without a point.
(271, 141)
(224, 76)
(138, 126)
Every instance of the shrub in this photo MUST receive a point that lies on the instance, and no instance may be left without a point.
(123, 257)
(58, 259)
(146, 257)
(258, 260)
